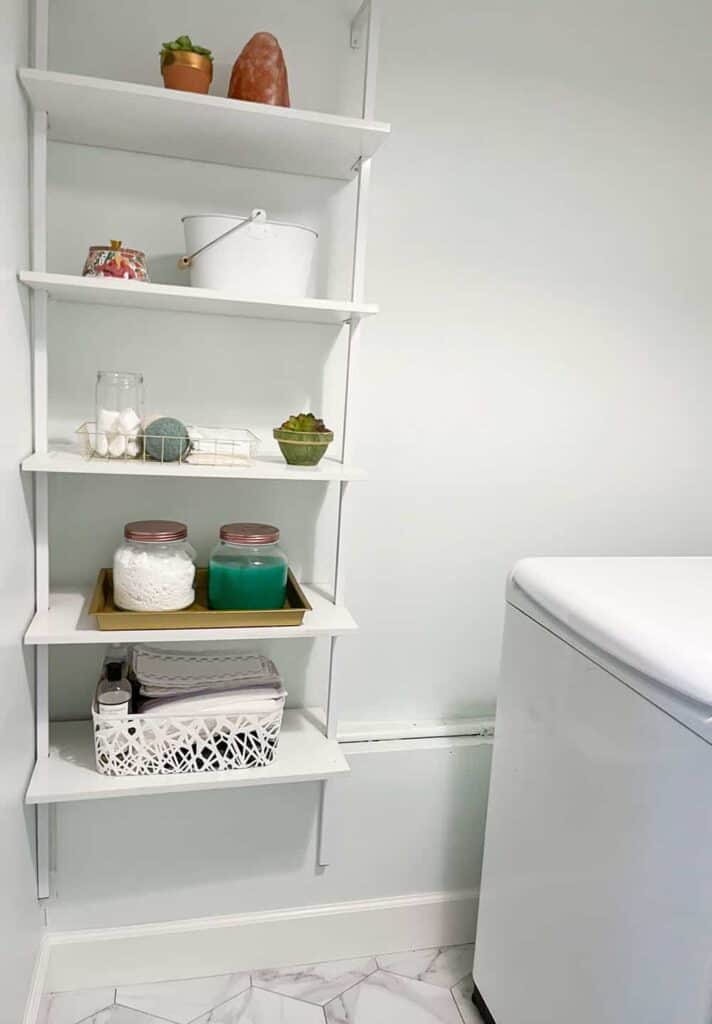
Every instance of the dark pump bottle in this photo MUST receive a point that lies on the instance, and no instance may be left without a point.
(113, 695)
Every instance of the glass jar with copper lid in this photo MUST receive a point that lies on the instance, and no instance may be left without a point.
(248, 569)
(154, 567)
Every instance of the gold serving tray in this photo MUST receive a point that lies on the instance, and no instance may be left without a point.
(199, 615)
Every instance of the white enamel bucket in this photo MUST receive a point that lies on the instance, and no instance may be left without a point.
(249, 256)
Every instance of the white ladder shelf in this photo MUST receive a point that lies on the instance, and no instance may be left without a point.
(143, 119)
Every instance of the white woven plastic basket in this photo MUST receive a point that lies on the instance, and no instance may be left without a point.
(158, 745)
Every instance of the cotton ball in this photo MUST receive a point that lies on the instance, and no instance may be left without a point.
(106, 420)
(128, 421)
(117, 446)
(166, 440)
(101, 444)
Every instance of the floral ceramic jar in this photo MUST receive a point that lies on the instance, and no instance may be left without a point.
(115, 261)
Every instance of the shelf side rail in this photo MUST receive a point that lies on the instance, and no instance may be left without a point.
(365, 32)
(366, 22)
(38, 329)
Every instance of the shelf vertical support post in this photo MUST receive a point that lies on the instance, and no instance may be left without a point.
(367, 20)
(38, 322)
(365, 25)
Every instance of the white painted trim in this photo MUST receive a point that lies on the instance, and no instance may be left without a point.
(38, 983)
(407, 746)
(357, 738)
(186, 949)
(370, 731)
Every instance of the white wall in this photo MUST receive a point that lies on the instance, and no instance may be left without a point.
(405, 822)
(535, 384)
(540, 247)
(19, 912)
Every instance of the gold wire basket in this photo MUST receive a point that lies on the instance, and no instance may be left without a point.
(204, 446)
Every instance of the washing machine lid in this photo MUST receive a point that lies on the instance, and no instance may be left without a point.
(652, 614)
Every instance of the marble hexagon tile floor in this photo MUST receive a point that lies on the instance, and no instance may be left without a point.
(429, 986)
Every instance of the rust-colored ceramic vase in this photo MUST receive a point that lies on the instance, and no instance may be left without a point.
(187, 71)
(260, 73)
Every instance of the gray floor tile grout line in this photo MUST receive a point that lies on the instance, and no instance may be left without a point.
(420, 949)
(459, 1011)
(323, 1006)
(237, 995)
(460, 980)
(431, 984)
(83, 1020)
(457, 1005)
(355, 984)
(300, 999)
(148, 1016)
(408, 977)
(308, 1002)
(320, 963)
(436, 953)
(393, 974)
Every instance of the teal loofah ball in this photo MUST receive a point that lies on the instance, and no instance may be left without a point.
(166, 440)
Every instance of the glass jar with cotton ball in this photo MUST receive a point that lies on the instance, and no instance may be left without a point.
(119, 408)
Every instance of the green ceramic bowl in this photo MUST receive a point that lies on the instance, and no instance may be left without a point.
(302, 448)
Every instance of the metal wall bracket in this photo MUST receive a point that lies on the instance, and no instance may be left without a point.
(359, 25)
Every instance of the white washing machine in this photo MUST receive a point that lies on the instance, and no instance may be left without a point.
(596, 898)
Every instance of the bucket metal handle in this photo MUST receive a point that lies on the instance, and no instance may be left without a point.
(257, 215)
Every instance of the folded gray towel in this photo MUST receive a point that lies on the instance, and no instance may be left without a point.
(169, 672)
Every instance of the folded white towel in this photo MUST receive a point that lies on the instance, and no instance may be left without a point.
(236, 702)
(169, 692)
(227, 446)
(218, 459)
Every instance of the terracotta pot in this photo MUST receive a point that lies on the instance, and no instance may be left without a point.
(187, 71)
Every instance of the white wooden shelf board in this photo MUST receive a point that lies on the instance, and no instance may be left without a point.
(67, 459)
(67, 622)
(103, 291)
(166, 122)
(69, 773)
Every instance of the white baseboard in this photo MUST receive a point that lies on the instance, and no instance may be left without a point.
(217, 945)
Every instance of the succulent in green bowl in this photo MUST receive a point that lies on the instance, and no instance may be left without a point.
(303, 439)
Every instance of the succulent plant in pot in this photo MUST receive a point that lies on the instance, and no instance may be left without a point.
(303, 439)
(186, 66)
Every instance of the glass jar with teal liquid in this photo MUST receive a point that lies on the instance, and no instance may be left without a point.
(248, 570)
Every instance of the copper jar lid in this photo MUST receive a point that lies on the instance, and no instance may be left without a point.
(154, 531)
(249, 533)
